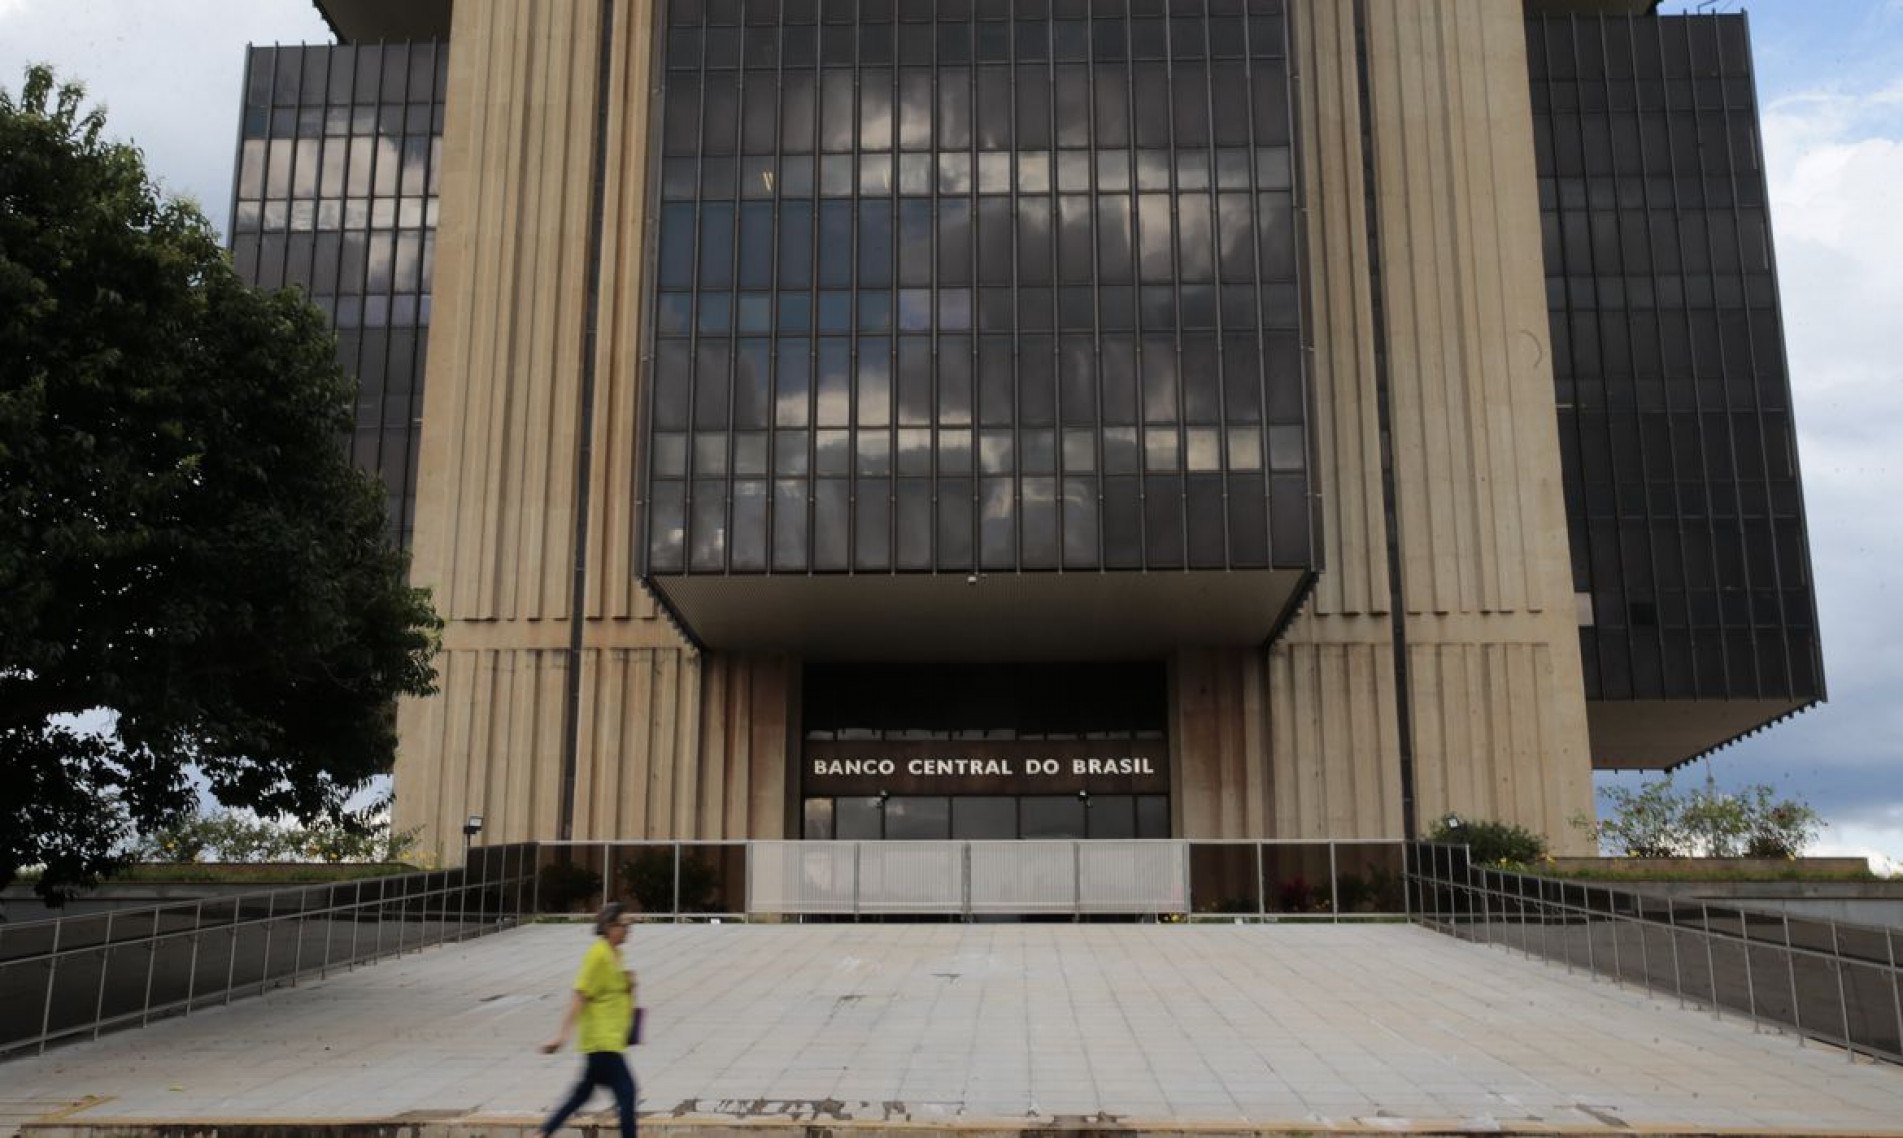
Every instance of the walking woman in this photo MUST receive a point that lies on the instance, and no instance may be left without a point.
(603, 1005)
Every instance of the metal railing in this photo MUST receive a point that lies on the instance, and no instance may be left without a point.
(1831, 981)
(1175, 879)
(75, 977)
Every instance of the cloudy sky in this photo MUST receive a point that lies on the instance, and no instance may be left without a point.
(1830, 81)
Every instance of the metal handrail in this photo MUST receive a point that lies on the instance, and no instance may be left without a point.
(41, 1002)
(1458, 897)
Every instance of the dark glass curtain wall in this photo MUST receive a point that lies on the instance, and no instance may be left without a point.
(975, 284)
(1674, 406)
(336, 195)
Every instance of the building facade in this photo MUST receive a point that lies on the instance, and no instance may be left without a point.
(1049, 418)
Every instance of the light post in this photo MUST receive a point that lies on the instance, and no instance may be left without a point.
(471, 828)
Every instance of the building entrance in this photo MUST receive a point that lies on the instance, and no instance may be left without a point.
(976, 752)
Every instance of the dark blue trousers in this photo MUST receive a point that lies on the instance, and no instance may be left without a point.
(604, 1069)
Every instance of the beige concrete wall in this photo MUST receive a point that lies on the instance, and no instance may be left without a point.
(672, 743)
(1499, 721)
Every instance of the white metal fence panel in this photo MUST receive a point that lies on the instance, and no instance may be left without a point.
(1024, 877)
(911, 877)
(801, 877)
(1132, 877)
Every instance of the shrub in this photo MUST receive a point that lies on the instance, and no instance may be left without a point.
(649, 877)
(1490, 843)
(563, 887)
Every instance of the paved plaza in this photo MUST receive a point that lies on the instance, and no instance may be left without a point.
(986, 1027)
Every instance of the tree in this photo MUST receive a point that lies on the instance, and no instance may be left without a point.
(1658, 820)
(184, 547)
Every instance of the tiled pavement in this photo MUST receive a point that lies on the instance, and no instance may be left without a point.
(981, 1027)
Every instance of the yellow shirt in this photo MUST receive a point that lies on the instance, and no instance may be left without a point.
(609, 990)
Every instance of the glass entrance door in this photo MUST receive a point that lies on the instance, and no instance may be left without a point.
(871, 818)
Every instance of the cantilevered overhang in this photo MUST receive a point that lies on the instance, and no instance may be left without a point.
(369, 21)
(1590, 7)
(1004, 616)
(1659, 734)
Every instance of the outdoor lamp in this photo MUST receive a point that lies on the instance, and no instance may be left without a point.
(473, 826)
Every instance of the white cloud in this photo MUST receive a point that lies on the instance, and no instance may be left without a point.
(168, 74)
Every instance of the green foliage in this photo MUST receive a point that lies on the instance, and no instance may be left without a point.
(1659, 820)
(562, 887)
(1490, 843)
(184, 546)
(227, 836)
(649, 877)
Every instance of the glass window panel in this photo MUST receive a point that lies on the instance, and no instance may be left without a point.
(954, 243)
(1159, 380)
(1051, 816)
(817, 819)
(789, 524)
(875, 174)
(720, 128)
(1034, 108)
(750, 383)
(954, 522)
(994, 173)
(669, 454)
(858, 820)
(1194, 237)
(984, 819)
(994, 241)
(716, 245)
(994, 108)
(711, 364)
(681, 132)
(673, 385)
(1039, 524)
(1270, 80)
(667, 529)
(954, 381)
(1113, 238)
(917, 819)
(875, 383)
(749, 526)
(831, 518)
(1191, 99)
(1153, 816)
(954, 309)
(1160, 449)
(708, 535)
(1071, 104)
(1034, 172)
(790, 455)
(915, 109)
(997, 524)
(917, 173)
(756, 244)
(835, 311)
(1245, 448)
(915, 242)
(796, 176)
(875, 243)
(1248, 521)
(914, 526)
(835, 244)
(872, 546)
(1036, 379)
(796, 112)
(1080, 451)
(1163, 521)
(954, 108)
(1034, 240)
(1151, 98)
(1153, 228)
(954, 452)
(835, 111)
(875, 109)
(833, 407)
(1275, 218)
